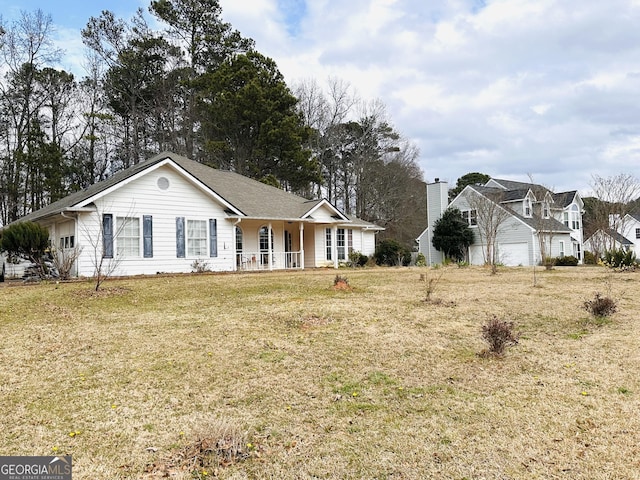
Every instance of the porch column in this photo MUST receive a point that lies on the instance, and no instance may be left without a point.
(334, 245)
(270, 253)
(301, 246)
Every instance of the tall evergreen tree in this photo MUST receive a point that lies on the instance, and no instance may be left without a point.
(452, 235)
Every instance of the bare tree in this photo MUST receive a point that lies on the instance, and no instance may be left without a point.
(99, 236)
(490, 217)
(615, 195)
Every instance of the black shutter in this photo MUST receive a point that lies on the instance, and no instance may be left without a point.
(107, 235)
(180, 237)
(213, 237)
(147, 236)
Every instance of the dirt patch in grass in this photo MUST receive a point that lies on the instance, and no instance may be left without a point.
(143, 380)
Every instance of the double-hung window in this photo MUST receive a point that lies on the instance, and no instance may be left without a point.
(340, 243)
(128, 236)
(196, 238)
(328, 244)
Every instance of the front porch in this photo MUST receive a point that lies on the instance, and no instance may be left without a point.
(254, 261)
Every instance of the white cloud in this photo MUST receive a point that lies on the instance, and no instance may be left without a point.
(504, 87)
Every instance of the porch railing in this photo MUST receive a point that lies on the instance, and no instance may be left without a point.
(247, 261)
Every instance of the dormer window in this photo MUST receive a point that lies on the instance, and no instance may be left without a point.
(545, 210)
(527, 207)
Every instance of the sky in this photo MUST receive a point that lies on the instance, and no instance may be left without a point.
(516, 89)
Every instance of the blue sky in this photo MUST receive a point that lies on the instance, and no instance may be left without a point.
(505, 87)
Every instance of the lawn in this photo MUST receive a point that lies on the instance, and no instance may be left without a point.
(281, 376)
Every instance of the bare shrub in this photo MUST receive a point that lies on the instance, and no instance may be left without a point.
(64, 260)
(219, 444)
(499, 335)
(200, 266)
(601, 306)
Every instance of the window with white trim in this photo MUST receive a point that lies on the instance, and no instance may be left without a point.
(340, 243)
(196, 238)
(637, 232)
(470, 216)
(545, 209)
(575, 217)
(327, 244)
(527, 207)
(128, 236)
(561, 248)
(239, 240)
(67, 242)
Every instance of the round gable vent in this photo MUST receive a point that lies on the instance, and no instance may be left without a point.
(163, 183)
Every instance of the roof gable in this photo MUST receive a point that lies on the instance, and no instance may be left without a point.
(151, 167)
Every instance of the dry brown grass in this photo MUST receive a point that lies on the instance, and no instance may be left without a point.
(278, 375)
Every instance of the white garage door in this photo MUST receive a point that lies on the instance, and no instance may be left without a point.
(513, 254)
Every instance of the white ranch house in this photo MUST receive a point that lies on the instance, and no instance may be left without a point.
(532, 214)
(169, 212)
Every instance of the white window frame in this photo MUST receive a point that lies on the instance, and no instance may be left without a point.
(197, 246)
(328, 244)
(341, 243)
(637, 232)
(526, 208)
(471, 217)
(562, 248)
(575, 217)
(127, 237)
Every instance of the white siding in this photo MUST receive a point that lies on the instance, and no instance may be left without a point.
(513, 234)
(143, 197)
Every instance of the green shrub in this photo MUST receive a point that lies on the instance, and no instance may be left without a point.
(620, 258)
(392, 253)
(568, 261)
(357, 259)
(590, 258)
(421, 261)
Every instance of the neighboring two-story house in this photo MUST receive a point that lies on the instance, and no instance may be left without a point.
(530, 222)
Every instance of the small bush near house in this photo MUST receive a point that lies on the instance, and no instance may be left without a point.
(590, 258)
(620, 258)
(421, 261)
(601, 306)
(392, 253)
(499, 335)
(200, 266)
(568, 261)
(357, 259)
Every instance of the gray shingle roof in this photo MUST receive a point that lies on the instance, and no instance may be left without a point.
(536, 222)
(254, 199)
